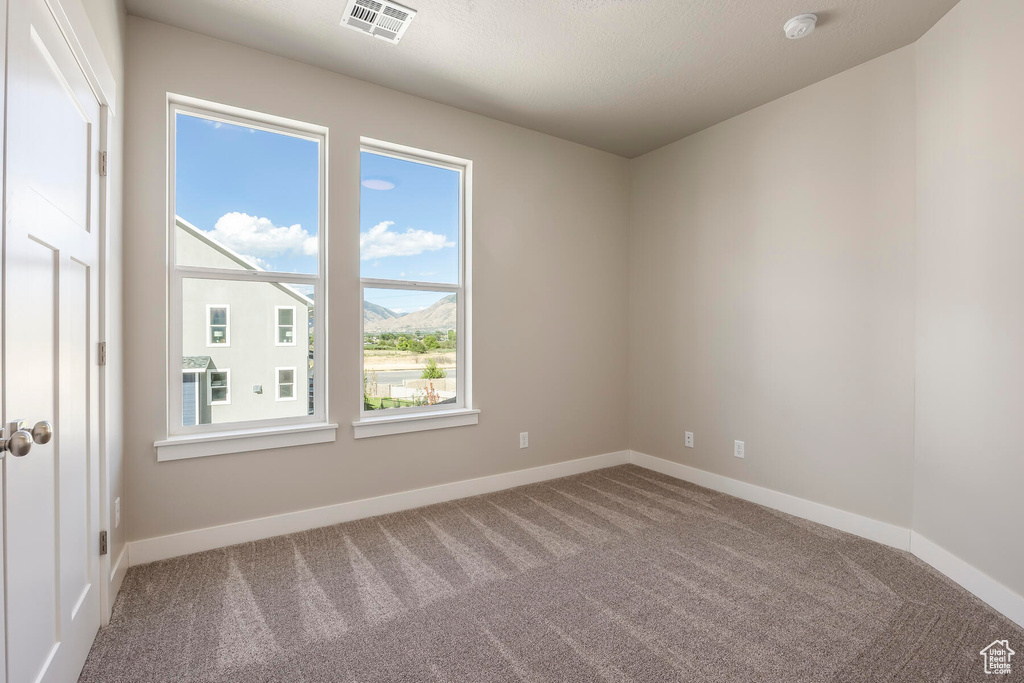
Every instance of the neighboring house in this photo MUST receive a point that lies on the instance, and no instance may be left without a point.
(245, 345)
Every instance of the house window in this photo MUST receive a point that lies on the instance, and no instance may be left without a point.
(247, 229)
(286, 384)
(414, 268)
(220, 387)
(218, 320)
(285, 316)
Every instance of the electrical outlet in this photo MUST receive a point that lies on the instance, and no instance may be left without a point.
(117, 512)
(738, 449)
(524, 439)
(689, 439)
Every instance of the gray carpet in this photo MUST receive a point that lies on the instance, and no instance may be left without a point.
(616, 575)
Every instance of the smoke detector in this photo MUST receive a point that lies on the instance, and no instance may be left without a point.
(800, 26)
(379, 18)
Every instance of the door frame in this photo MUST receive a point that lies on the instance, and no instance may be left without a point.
(73, 21)
(77, 29)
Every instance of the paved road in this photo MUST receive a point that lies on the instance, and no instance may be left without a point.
(397, 376)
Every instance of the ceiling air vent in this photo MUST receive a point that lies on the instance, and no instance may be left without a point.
(383, 19)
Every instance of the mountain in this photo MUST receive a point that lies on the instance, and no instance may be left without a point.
(437, 317)
(374, 313)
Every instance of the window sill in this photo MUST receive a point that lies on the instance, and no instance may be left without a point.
(220, 443)
(403, 424)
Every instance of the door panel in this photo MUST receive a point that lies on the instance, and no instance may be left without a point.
(51, 501)
(57, 124)
(72, 455)
(3, 506)
(32, 510)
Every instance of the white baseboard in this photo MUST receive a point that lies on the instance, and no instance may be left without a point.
(1001, 598)
(174, 545)
(882, 532)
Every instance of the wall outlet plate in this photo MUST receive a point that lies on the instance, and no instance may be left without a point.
(738, 449)
(524, 439)
(689, 439)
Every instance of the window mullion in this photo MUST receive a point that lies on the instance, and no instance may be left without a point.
(374, 283)
(201, 273)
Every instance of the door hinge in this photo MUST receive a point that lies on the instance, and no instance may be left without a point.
(103, 163)
(103, 353)
(103, 543)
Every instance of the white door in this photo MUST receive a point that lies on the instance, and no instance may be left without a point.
(51, 239)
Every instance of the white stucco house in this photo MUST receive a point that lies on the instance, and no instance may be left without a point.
(245, 345)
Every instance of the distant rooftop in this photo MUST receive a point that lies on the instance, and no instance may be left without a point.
(195, 362)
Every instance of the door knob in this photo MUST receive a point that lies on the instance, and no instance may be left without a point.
(18, 445)
(20, 442)
(42, 432)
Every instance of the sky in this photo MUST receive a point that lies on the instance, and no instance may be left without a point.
(256, 192)
(408, 228)
(253, 191)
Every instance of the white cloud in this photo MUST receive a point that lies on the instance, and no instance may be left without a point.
(257, 261)
(378, 184)
(259, 237)
(380, 241)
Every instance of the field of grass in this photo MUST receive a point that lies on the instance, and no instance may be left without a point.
(405, 360)
(378, 403)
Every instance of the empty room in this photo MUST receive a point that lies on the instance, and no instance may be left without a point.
(356, 341)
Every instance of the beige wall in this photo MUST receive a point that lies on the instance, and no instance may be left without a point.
(970, 314)
(108, 21)
(548, 242)
(772, 294)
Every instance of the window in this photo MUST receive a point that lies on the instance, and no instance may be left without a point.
(217, 317)
(285, 325)
(247, 224)
(220, 387)
(286, 384)
(414, 281)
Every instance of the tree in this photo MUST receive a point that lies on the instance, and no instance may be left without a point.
(431, 371)
(369, 385)
(430, 341)
(451, 337)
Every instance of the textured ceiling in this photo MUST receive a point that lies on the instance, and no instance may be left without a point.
(626, 76)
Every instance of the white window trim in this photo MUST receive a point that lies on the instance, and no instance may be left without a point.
(209, 388)
(235, 437)
(278, 326)
(277, 384)
(419, 418)
(227, 326)
(243, 440)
